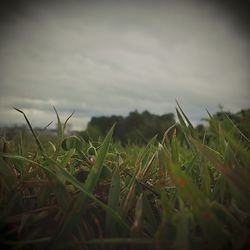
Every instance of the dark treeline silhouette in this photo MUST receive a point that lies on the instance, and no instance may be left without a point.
(138, 127)
(135, 128)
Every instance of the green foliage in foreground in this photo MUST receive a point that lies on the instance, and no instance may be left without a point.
(98, 195)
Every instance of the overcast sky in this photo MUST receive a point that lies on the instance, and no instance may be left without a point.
(112, 57)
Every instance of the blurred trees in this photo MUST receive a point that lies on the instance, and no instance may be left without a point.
(135, 128)
(138, 128)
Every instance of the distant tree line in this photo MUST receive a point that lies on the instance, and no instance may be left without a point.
(135, 128)
(138, 127)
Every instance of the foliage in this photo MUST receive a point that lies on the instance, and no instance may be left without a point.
(187, 189)
(135, 128)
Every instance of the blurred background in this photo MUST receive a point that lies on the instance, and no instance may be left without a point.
(103, 58)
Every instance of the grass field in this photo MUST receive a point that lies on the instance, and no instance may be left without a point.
(169, 194)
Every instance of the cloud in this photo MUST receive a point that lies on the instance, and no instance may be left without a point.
(103, 59)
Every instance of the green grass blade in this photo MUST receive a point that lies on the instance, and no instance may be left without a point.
(136, 229)
(150, 214)
(73, 216)
(113, 202)
(186, 118)
(145, 154)
(190, 194)
(68, 177)
(32, 131)
(187, 131)
(98, 165)
(182, 230)
(238, 178)
(59, 126)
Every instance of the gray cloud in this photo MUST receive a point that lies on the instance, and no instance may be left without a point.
(103, 58)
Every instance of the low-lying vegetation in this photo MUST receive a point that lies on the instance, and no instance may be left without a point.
(182, 192)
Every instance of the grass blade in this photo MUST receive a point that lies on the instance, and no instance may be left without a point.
(73, 216)
(32, 131)
(113, 202)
